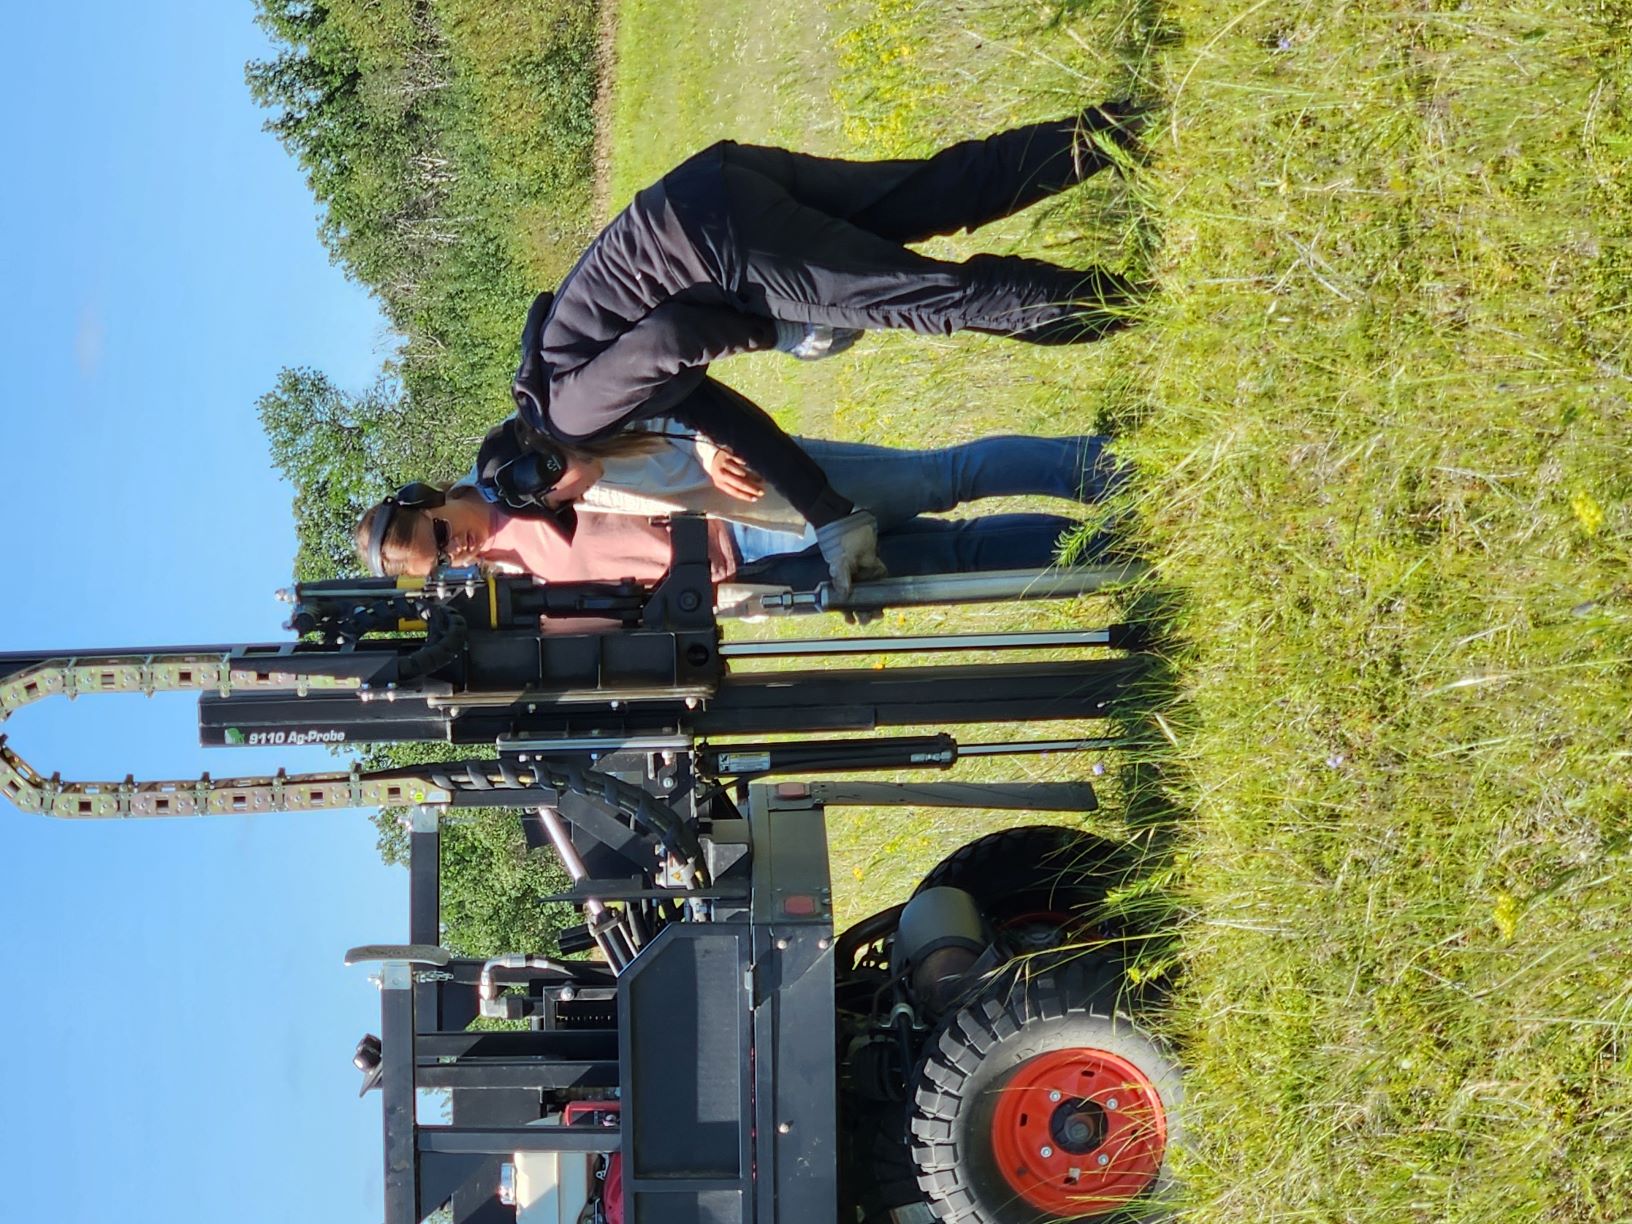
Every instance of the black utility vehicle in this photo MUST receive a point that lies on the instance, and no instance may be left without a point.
(703, 1049)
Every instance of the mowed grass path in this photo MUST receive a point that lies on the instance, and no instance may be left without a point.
(1381, 417)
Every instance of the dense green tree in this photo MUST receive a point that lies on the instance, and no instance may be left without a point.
(341, 452)
(360, 120)
(448, 145)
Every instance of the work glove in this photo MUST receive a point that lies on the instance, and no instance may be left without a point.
(813, 341)
(850, 547)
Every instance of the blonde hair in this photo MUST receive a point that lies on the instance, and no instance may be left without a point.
(617, 446)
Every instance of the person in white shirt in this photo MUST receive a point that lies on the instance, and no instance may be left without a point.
(677, 470)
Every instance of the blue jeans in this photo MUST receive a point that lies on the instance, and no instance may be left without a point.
(899, 485)
(930, 546)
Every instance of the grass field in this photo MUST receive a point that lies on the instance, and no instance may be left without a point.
(1380, 417)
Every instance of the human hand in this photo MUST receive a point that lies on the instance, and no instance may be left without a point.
(850, 548)
(577, 479)
(734, 477)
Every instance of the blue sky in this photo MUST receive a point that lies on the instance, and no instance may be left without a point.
(177, 1020)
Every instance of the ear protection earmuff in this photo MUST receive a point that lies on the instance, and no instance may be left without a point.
(415, 495)
(516, 468)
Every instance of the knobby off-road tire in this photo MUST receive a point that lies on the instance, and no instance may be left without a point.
(1035, 871)
(1025, 1090)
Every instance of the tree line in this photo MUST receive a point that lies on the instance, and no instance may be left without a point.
(449, 147)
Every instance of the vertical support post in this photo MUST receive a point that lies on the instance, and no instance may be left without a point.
(424, 875)
(795, 1093)
(425, 899)
(397, 1092)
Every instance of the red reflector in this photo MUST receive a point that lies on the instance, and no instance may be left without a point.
(799, 906)
(792, 790)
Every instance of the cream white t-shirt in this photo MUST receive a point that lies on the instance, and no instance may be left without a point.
(674, 478)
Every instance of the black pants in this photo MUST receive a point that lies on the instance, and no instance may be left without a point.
(821, 240)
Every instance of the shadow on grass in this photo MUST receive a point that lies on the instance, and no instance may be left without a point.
(1148, 711)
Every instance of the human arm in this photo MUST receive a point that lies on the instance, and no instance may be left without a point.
(658, 367)
(649, 368)
(735, 423)
(848, 538)
(729, 473)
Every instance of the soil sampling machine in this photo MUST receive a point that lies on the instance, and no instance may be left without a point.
(703, 1048)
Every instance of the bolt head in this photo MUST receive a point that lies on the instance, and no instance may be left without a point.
(783, 1128)
(1110, 1103)
(1046, 1152)
(1103, 1160)
(1055, 1095)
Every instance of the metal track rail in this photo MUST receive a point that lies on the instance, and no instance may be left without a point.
(988, 586)
(177, 672)
(909, 644)
(812, 702)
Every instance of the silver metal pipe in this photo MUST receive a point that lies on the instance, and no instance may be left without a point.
(510, 697)
(1060, 582)
(1025, 747)
(909, 644)
(487, 989)
(601, 744)
(600, 918)
(561, 839)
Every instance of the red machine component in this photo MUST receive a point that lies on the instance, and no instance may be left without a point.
(602, 1113)
(1078, 1132)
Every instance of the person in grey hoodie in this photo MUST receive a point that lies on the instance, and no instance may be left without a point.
(743, 248)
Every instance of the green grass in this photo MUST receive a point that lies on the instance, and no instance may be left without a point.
(791, 75)
(1386, 429)
(1380, 416)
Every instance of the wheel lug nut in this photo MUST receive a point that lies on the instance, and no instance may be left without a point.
(1110, 1103)
(1104, 1160)
(1046, 1153)
(1055, 1095)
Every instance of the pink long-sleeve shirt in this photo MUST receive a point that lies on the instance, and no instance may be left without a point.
(605, 548)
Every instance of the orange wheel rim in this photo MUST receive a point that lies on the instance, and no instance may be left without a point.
(1078, 1132)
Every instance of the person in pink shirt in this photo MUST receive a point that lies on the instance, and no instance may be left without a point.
(465, 529)
(569, 528)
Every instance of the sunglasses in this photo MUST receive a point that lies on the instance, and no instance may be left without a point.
(441, 535)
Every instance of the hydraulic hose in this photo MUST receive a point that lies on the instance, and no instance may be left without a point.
(639, 806)
(445, 634)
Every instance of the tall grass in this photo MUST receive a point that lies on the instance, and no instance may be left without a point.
(1386, 428)
(1380, 417)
